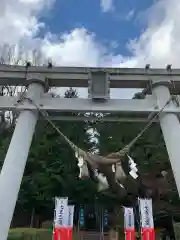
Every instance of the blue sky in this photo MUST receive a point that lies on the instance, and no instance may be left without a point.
(114, 33)
(113, 27)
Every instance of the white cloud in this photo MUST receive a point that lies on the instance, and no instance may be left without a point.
(157, 45)
(106, 5)
(19, 19)
(77, 48)
(130, 15)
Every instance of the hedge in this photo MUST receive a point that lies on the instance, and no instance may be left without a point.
(33, 234)
(30, 234)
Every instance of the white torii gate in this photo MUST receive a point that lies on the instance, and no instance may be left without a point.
(98, 81)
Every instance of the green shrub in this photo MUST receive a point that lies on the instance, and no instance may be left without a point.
(30, 234)
(33, 234)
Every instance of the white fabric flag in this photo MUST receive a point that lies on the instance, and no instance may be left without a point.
(70, 215)
(145, 207)
(128, 218)
(61, 212)
(60, 198)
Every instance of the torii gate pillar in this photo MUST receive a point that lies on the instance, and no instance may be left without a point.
(15, 161)
(170, 126)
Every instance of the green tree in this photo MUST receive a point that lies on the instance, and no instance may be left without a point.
(52, 167)
(150, 154)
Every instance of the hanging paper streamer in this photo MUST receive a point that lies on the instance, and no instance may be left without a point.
(129, 227)
(147, 223)
(133, 167)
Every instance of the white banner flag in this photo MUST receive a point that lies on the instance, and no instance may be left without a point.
(128, 218)
(57, 199)
(70, 215)
(145, 206)
(61, 212)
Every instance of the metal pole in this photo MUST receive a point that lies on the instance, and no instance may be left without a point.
(15, 161)
(170, 126)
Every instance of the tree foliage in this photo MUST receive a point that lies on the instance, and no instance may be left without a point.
(149, 152)
(52, 169)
